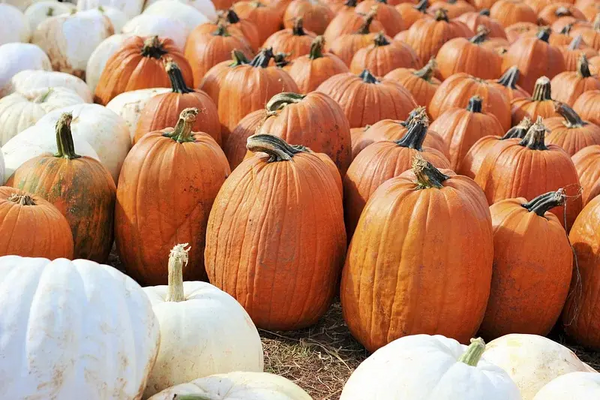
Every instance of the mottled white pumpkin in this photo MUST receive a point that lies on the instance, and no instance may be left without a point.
(424, 367)
(34, 79)
(70, 39)
(239, 386)
(204, 331)
(185, 14)
(157, 25)
(20, 110)
(532, 361)
(104, 130)
(206, 7)
(129, 105)
(42, 10)
(572, 386)
(23, 56)
(73, 330)
(131, 8)
(13, 25)
(100, 56)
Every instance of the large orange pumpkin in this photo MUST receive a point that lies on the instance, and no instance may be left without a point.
(475, 19)
(166, 189)
(267, 19)
(588, 106)
(387, 14)
(508, 84)
(421, 83)
(346, 46)
(573, 51)
(569, 85)
(139, 64)
(316, 15)
(294, 42)
(235, 148)
(423, 225)
(347, 22)
(279, 220)
(32, 227)
(411, 12)
(80, 187)
(383, 56)
(533, 263)
(509, 12)
(246, 27)
(587, 164)
(211, 84)
(556, 11)
(540, 104)
(520, 29)
(571, 132)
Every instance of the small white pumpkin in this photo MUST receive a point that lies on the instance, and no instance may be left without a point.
(238, 386)
(100, 56)
(70, 39)
(104, 130)
(42, 10)
(73, 329)
(157, 25)
(532, 360)
(34, 79)
(22, 56)
(424, 367)
(206, 7)
(185, 14)
(13, 25)
(117, 17)
(129, 105)
(572, 386)
(20, 110)
(131, 8)
(203, 330)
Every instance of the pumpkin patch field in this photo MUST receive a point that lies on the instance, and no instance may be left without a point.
(300, 199)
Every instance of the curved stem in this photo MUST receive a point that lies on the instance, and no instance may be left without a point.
(43, 97)
(316, 48)
(365, 28)
(238, 58)
(428, 71)
(177, 260)
(572, 119)
(283, 99)
(542, 90)
(475, 104)
(368, 77)
(281, 59)
(153, 48)
(485, 12)
(566, 30)
(583, 66)
(22, 199)
(481, 36)
(183, 130)
(277, 148)
(510, 77)
(422, 6)
(474, 352)
(64, 138)
(221, 30)
(178, 84)
(414, 137)
(441, 15)
(427, 175)
(535, 137)
(380, 40)
(519, 131)
(575, 43)
(544, 34)
(262, 59)
(298, 28)
(418, 114)
(545, 202)
(231, 16)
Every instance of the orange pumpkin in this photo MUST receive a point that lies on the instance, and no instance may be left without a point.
(588, 106)
(266, 19)
(384, 56)
(555, 11)
(347, 22)
(508, 12)
(565, 24)
(454, 8)
(587, 164)
(176, 175)
(532, 259)
(138, 64)
(508, 84)
(424, 224)
(590, 10)
(411, 12)
(420, 83)
(316, 15)
(259, 226)
(517, 30)
(475, 19)
(554, 39)
(294, 42)
(386, 13)
(80, 187)
(573, 52)
(591, 36)
(279, 5)
(235, 148)
(162, 111)
(569, 85)
(222, 4)
(34, 226)
(538, 5)
(540, 104)
(338, 6)
(366, 99)
(594, 62)
(211, 84)
(570, 132)
(346, 46)
(246, 27)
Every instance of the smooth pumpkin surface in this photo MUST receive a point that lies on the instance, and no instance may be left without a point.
(569, 85)
(540, 104)
(574, 385)
(587, 164)
(421, 83)
(571, 132)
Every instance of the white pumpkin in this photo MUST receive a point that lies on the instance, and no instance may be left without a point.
(424, 367)
(185, 14)
(572, 386)
(70, 39)
(203, 330)
(1, 168)
(21, 110)
(157, 25)
(13, 25)
(129, 105)
(73, 330)
(100, 56)
(104, 130)
(34, 79)
(238, 386)
(22, 56)
(532, 361)
(117, 17)
(20, 4)
(42, 10)
(131, 8)
(206, 7)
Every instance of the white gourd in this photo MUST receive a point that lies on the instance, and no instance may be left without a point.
(157, 25)
(131, 8)
(13, 25)
(34, 79)
(42, 10)
(100, 56)
(185, 14)
(117, 17)
(206, 7)
(571, 386)
(22, 56)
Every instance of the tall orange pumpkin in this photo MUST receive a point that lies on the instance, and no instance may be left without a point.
(316, 15)
(293, 41)
(267, 19)
(570, 132)
(383, 56)
(421, 83)
(587, 164)
(569, 85)
(540, 104)
(424, 224)
(80, 187)
(508, 84)
(389, 17)
(166, 189)
(347, 22)
(279, 220)
(211, 84)
(346, 45)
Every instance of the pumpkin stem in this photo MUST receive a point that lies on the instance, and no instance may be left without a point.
(183, 130)
(298, 28)
(475, 104)
(427, 175)
(510, 77)
(428, 71)
(365, 28)
(281, 100)
(381, 1)
(221, 30)
(575, 43)
(583, 66)
(441, 14)
(422, 6)
(474, 352)
(519, 131)
(50, 12)
(566, 30)
(316, 48)
(43, 97)
(414, 137)
(64, 138)
(485, 12)
(281, 59)
(481, 36)
(277, 148)
(542, 90)
(22, 199)
(178, 258)
(177, 82)
(153, 48)
(368, 77)
(262, 59)
(351, 3)
(380, 40)
(545, 202)
(544, 34)
(572, 119)
(562, 12)
(231, 16)
(419, 113)
(535, 137)
(238, 58)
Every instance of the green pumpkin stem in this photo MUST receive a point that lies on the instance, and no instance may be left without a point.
(231, 16)
(428, 71)
(544, 34)
(428, 176)
(481, 36)
(183, 130)
(276, 148)
(368, 77)
(64, 138)
(545, 202)
(414, 137)
(50, 12)
(572, 119)
(485, 12)
(22, 199)
(475, 104)
(510, 77)
(262, 59)
(535, 137)
(281, 100)
(178, 258)
(44, 96)
(441, 14)
(365, 28)
(583, 66)
(422, 6)
(238, 58)
(316, 48)
(474, 352)
(153, 48)
(518, 131)
(298, 28)
(542, 90)
(178, 84)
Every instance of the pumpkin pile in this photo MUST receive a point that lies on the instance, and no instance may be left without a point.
(435, 165)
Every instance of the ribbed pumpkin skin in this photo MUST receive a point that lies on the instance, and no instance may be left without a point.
(568, 86)
(309, 74)
(588, 106)
(510, 93)
(383, 59)
(267, 19)
(422, 90)
(455, 9)
(346, 46)
(285, 41)
(520, 29)
(235, 148)
(316, 15)
(509, 12)
(574, 139)
(276, 240)
(474, 19)
(411, 14)
(587, 164)
(572, 57)
(527, 107)
(389, 17)
(426, 277)
(346, 23)
(532, 271)
(164, 196)
(471, 163)
(33, 231)
(460, 55)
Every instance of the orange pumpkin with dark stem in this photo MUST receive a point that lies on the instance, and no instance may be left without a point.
(517, 30)
(175, 174)
(538, 5)
(32, 227)
(508, 12)
(259, 227)
(459, 88)
(540, 104)
(475, 19)
(366, 100)
(223, 4)
(383, 56)
(387, 14)
(316, 15)
(588, 106)
(454, 8)
(235, 148)
(590, 10)
(138, 64)
(555, 11)
(211, 84)
(310, 70)
(570, 132)
(80, 187)
(347, 22)
(591, 36)
(266, 19)
(247, 27)
(424, 224)
(295, 41)
(533, 263)
(508, 84)
(381, 161)
(565, 25)
(346, 46)
(555, 39)
(411, 12)
(587, 164)
(512, 169)
(162, 111)
(279, 5)
(572, 53)
(569, 85)
(422, 83)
